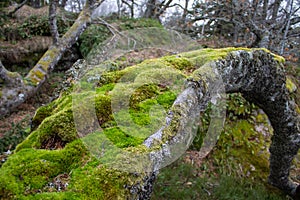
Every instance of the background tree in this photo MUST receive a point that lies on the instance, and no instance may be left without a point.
(131, 4)
(271, 24)
(155, 8)
(12, 96)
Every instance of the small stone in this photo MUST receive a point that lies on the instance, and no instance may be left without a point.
(189, 183)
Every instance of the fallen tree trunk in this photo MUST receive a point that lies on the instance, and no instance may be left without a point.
(14, 95)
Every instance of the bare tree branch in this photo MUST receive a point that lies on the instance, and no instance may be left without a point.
(17, 8)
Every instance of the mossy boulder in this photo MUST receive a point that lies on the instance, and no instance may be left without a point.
(56, 147)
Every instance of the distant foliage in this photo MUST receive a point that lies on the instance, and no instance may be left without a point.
(131, 23)
(97, 33)
(93, 35)
(15, 135)
(33, 26)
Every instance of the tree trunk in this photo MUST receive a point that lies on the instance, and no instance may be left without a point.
(9, 78)
(36, 3)
(261, 80)
(264, 40)
(275, 10)
(17, 8)
(265, 9)
(53, 21)
(13, 96)
(150, 9)
(284, 38)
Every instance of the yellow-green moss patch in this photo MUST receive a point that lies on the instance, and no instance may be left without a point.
(31, 169)
(290, 85)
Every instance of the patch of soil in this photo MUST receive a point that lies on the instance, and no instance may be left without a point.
(25, 110)
(53, 143)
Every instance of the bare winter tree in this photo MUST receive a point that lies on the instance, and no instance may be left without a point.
(131, 6)
(256, 23)
(15, 90)
(37, 3)
(155, 8)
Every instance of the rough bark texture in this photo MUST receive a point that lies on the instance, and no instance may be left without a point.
(261, 79)
(53, 20)
(13, 96)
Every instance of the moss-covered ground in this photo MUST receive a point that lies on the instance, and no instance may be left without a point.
(237, 166)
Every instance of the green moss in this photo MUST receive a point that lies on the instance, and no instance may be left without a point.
(31, 169)
(243, 150)
(278, 58)
(261, 118)
(53, 196)
(55, 106)
(290, 85)
(150, 86)
(178, 62)
(202, 56)
(59, 125)
(13, 74)
(297, 109)
(166, 99)
(105, 88)
(41, 114)
(94, 181)
(121, 139)
(142, 93)
(110, 77)
(35, 75)
(103, 108)
(39, 74)
(238, 107)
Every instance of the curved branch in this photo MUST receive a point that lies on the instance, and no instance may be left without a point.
(261, 80)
